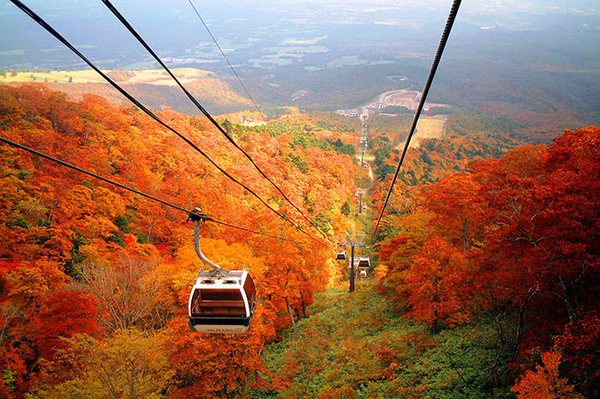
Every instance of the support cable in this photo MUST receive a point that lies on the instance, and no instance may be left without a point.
(126, 23)
(146, 110)
(133, 190)
(227, 60)
(434, 66)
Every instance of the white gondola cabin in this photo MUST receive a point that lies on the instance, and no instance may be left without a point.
(364, 262)
(341, 255)
(222, 304)
(221, 301)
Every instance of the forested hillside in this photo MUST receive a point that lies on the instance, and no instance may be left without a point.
(151, 86)
(94, 280)
(462, 139)
(515, 242)
(288, 199)
(486, 287)
(486, 263)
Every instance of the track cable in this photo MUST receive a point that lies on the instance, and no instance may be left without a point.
(139, 38)
(227, 60)
(434, 66)
(147, 111)
(136, 191)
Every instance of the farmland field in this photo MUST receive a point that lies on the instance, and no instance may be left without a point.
(429, 127)
(149, 76)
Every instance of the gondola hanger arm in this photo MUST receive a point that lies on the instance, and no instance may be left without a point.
(197, 216)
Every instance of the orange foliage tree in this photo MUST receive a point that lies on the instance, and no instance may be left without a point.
(437, 283)
(545, 382)
(79, 256)
(517, 234)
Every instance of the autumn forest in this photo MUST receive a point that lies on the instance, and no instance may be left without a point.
(485, 282)
(476, 242)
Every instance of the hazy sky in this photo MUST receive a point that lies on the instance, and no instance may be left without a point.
(171, 23)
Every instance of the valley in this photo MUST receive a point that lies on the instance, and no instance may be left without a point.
(141, 226)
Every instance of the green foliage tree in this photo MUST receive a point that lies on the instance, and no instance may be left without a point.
(346, 208)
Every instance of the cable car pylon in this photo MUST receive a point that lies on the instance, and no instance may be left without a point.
(352, 240)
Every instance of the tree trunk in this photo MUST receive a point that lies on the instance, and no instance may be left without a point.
(290, 312)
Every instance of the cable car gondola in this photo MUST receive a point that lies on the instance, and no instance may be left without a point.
(221, 301)
(222, 304)
(341, 255)
(364, 262)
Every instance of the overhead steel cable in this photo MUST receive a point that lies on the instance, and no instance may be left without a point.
(87, 172)
(255, 232)
(146, 110)
(227, 60)
(132, 30)
(133, 190)
(434, 66)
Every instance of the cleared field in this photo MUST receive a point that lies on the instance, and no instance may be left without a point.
(405, 98)
(303, 42)
(149, 76)
(346, 60)
(368, 158)
(160, 77)
(429, 127)
(152, 87)
(53, 77)
(269, 60)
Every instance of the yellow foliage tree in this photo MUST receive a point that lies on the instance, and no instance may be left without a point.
(126, 366)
